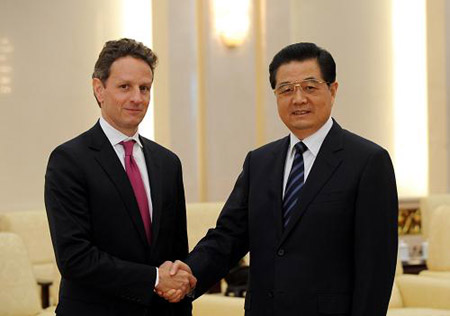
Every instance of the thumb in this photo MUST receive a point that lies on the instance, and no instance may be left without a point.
(175, 267)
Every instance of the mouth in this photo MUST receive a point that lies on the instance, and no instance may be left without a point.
(300, 112)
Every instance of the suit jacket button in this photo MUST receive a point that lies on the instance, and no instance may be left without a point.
(270, 294)
(281, 252)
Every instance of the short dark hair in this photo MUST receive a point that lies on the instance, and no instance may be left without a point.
(301, 52)
(114, 50)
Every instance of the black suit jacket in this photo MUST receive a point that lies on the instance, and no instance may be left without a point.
(337, 255)
(106, 264)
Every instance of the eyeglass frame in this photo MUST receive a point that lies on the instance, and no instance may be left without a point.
(298, 84)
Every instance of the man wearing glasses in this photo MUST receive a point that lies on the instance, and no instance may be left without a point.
(317, 209)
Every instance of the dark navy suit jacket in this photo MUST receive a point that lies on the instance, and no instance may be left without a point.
(337, 256)
(106, 263)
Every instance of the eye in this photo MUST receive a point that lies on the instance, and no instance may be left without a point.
(310, 87)
(145, 88)
(286, 89)
(124, 86)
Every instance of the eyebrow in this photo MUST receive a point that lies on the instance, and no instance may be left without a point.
(307, 78)
(129, 81)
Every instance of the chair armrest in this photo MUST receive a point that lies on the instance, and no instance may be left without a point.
(419, 291)
(218, 305)
(435, 274)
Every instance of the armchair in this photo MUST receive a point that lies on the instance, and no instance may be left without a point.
(438, 262)
(414, 295)
(200, 218)
(18, 293)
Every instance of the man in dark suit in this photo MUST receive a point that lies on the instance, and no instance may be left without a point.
(317, 209)
(115, 200)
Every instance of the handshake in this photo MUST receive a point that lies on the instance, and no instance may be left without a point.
(175, 281)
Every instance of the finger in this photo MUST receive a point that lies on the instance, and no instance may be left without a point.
(180, 265)
(175, 267)
(169, 294)
(177, 297)
(192, 281)
(173, 295)
(166, 265)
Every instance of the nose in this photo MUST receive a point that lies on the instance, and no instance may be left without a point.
(298, 96)
(137, 96)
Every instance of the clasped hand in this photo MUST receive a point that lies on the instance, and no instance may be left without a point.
(175, 281)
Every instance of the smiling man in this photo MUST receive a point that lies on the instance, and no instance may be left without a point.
(316, 209)
(115, 201)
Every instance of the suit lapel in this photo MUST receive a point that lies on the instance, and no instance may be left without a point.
(276, 182)
(154, 175)
(108, 160)
(327, 161)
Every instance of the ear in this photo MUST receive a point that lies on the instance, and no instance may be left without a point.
(333, 90)
(99, 89)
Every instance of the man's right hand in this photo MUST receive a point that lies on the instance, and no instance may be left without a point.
(175, 281)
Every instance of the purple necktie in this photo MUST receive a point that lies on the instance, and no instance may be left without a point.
(134, 175)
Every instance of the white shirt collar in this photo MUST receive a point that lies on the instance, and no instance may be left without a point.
(114, 136)
(314, 141)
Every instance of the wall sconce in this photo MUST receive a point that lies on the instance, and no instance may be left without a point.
(232, 21)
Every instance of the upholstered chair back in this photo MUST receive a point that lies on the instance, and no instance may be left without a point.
(200, 218)
(428, 205)
(18, 290)
(32, 227)
(439, 240)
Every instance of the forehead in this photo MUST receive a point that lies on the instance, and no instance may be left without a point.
(131, 69)
(298, 70)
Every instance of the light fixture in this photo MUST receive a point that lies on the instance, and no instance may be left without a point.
(232, 21)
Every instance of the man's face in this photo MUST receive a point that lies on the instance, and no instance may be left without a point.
(304, 112)
(125, 96)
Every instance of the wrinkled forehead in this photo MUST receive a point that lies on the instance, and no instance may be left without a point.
(131, 69)
(296, 71)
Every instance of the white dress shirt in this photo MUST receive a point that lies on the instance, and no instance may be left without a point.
(313, 142)
(115, 137)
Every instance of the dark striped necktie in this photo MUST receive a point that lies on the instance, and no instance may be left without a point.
(294, 184)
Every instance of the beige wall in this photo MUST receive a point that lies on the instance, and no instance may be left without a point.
(212, 104)
(438, 114)
(447, 90)
(232, 105)
(55, 45)
(358, 35)
(176, 85)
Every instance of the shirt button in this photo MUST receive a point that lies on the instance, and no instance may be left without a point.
(281, 252)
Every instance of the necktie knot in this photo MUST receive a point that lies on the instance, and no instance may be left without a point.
(300, 147)
(128, 146)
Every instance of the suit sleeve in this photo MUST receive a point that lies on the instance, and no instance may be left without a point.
(78, 258)
(184, 307)
(375, 237)
(182, 237)
(228, 242)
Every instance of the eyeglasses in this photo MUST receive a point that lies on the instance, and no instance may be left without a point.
(308, 87)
